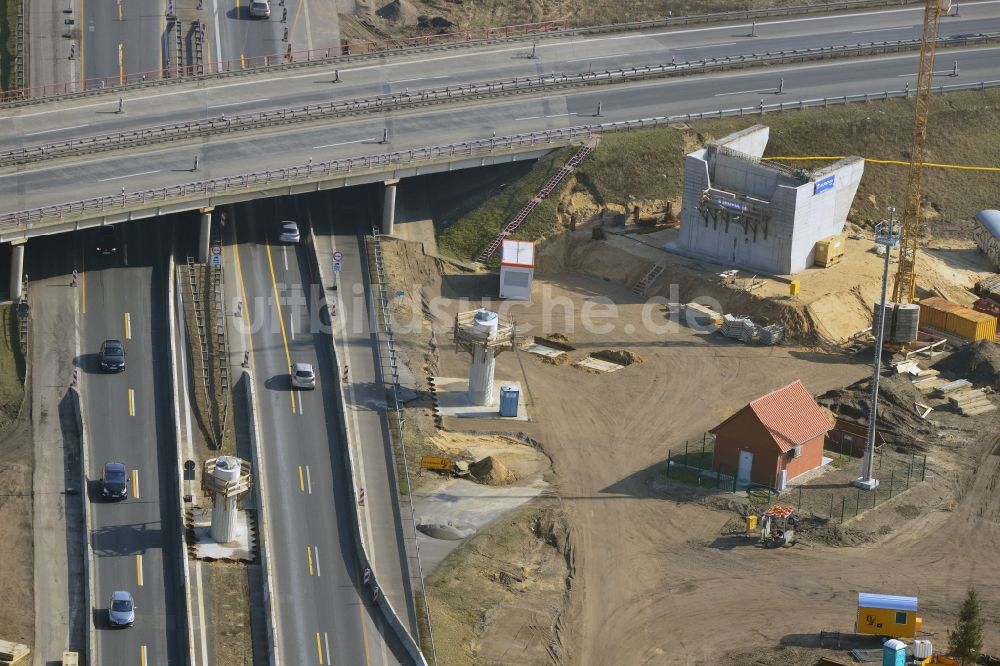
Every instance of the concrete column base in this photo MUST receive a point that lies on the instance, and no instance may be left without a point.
(389, 206)
(16, 270)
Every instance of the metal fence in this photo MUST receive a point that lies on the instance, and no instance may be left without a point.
(835, 499)
(397, 101)
(368, 49)
(383, 321)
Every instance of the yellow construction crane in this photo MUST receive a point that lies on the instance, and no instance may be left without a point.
(905, 285)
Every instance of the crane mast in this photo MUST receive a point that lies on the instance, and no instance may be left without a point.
(905, 285)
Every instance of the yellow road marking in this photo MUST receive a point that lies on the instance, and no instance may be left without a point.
(163, 25)
(142, 655)
(138, 569)
(135, 483)
(121, 64)
(83, 40)
(309, 556)
(243, 60)
(83, 286)
(281, 319)
(119, 10)
(131, 402)
(295, 20)
(302, 480)
(128, 326)
(319, 648)
(364, 632)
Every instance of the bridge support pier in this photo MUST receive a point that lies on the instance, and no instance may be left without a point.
(204, 235)
(389, 205)
(16, 269)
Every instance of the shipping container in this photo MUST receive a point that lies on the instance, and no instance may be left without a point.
(934, 312)
(987, 305)
(972, 325)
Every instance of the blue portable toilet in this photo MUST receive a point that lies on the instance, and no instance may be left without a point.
(893, 653)
(509, 397)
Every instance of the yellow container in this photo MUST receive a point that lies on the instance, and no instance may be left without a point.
(829, 250)
(972, 325)
(793, 288)
(934, 312)
(751, 523)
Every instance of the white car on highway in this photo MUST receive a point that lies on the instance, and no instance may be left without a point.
(303, 376)
(289, 232)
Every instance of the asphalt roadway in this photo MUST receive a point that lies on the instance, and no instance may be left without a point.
(130, 38)
(323, 612)
(108, 174)
(128, 420)
(152, 107)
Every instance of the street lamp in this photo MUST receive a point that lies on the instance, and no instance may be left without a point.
(886, 235)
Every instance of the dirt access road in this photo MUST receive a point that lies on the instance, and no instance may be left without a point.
(650, 579)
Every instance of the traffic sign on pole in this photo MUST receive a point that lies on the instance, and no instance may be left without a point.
(216, 259)
(336, 266)
(338, 255)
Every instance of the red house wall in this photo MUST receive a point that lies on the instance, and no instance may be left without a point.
(744, 432)
(811, 457)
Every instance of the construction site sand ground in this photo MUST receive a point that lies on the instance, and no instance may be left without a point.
(611, 570)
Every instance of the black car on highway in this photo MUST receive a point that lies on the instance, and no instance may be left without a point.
(114, 481)
(107, 240)
(111, 358)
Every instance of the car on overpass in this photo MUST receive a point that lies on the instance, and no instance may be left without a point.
(111, 357)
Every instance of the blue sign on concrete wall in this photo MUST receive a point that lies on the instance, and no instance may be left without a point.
(824, 185)
(737, 206)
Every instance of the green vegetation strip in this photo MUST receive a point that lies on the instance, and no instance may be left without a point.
(11, 367)
(8, 42)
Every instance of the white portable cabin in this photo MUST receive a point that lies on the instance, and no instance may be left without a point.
(517, 268)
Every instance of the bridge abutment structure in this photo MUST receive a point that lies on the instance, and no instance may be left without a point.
(16, 269)
(389, 205)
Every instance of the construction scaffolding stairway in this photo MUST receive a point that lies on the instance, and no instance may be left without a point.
(648, 279)
(542, 194)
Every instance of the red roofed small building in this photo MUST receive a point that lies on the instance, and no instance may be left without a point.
(774, 439)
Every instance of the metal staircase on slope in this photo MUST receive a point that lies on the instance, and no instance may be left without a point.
(543, 193)
(648, 279)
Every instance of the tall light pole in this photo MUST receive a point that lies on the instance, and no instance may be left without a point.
(886, 235)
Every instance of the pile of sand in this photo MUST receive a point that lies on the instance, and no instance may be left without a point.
(978, 362)
(399, 12)
(897, 419)
(619, 356)
(492, 472)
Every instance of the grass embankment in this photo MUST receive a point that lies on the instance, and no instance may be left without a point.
(11, 367)
(488, 13)
(649, 164)
(8, 42)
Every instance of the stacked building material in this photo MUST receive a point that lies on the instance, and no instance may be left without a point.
(732, 326)
(749, 332)
(772, 335)
(952, 387)
(13, 653)
(970, 402)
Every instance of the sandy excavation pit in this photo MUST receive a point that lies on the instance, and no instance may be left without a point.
(608, 434)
